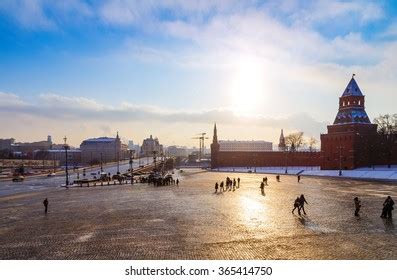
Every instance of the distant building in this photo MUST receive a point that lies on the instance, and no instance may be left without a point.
(103, 148)
(59, 155)
(27, 149)
(175, 151)
(150, 146)
(135, 148)
(5, 144)
(245, 146)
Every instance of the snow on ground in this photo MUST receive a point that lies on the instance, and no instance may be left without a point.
(377, 173)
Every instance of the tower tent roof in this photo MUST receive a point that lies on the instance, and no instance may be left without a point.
(352, 110)
(352, 89)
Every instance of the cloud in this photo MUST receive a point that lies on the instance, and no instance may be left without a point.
(9, 100)
(56, 107)
(390, 32)
(348, 12)
(45, 14)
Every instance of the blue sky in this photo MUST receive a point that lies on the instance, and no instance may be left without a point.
(91, 68)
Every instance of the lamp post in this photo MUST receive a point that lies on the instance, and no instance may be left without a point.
(101, 163)
(132, 169)
(118, 162)
(340, 159)
(155, 158)
(66, 147)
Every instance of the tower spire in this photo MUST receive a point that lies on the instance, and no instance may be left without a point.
(215, 137)
(281, 143)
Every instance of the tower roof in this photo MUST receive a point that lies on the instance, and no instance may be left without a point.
(351, 106)
(215, 137)
(352, 89)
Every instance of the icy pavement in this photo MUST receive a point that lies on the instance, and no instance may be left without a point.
(192, 222)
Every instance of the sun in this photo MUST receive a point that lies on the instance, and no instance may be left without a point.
(247, 87)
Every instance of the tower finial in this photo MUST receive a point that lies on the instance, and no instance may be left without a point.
(353, 76)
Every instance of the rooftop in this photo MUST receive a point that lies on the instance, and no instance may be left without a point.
(99, 139)
(352, 89)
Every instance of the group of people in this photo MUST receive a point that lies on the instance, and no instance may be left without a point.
(263, 184)
(230, 185)
(387, 208)
(299, 204)
(386, 211)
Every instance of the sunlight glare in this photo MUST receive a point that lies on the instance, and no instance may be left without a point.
(247, 86)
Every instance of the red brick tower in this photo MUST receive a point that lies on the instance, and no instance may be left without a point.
(351, 139)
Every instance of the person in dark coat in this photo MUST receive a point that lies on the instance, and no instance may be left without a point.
(387, 208)
(357, 206)
(262, 187)
(216, 187)
(222, 189)
(302, 201)
(238, 182)
(296, 205)
(45, 202)
(299, 178)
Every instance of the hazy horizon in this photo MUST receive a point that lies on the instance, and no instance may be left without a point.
(172, 68)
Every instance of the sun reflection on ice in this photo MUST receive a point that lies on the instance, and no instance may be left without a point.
(253, 212)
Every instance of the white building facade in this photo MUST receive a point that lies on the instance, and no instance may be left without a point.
(245, 146)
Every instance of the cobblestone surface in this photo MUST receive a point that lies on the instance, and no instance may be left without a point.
(191, 222)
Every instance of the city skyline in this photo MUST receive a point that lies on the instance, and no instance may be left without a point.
(173, 68)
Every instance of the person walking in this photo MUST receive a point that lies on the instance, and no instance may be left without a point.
(278, 178)
(296, 205)
(299, 178)
(390, 208)
(357, 205)
(262, 187)
(221, 189)
(234, 184)
(45, 202)
(302, 201)
(177, 182)
(266, 180)
(238, 182)
(216, 187)
(387, 208)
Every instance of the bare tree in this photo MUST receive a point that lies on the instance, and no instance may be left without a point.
(294, 141)
(387, 124)
(312, 143)
(387, 128)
